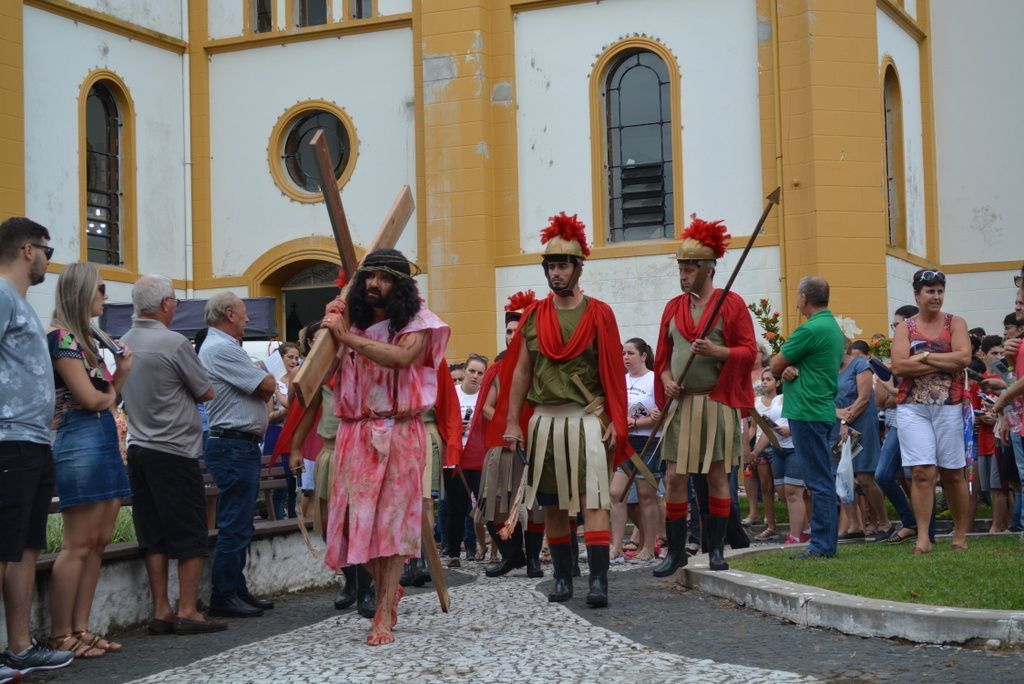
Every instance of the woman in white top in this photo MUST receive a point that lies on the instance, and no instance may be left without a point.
(641, 415)
(784, 471)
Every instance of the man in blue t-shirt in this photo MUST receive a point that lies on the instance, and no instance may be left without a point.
(26, 412)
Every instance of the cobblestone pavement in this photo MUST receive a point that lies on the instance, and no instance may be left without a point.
(504, 630)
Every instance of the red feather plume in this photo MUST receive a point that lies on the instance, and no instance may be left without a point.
(710, 233)
(567, 228)
(341, 280)
(521, 300)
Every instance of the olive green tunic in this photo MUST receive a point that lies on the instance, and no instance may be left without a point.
(695, 416)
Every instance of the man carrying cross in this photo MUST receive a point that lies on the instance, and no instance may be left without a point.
(564, 365)
(702, 434)
(388, 354)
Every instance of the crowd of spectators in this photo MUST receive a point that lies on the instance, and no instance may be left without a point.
(943, 409)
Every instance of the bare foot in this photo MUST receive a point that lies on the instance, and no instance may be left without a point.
(958, 546)
(379, 635)
(920, 550)
(394, 606)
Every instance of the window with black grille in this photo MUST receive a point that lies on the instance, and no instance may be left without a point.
(362, 9)
(298, 157)
(311, 12)
(639, 128)
(262, 16)
(103, 177)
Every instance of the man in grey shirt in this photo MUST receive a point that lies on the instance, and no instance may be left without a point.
(164, 442)
(26, 462)
(238, 419)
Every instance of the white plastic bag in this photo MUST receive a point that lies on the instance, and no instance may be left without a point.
(844, 474)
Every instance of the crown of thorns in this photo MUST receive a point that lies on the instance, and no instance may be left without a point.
(387, 264)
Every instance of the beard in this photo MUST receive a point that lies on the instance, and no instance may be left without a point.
(377, 300)
(37, 275)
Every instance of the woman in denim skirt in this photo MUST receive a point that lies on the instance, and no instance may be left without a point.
(90, 475)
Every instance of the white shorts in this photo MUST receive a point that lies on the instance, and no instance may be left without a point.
(308, 473)
(931, 435)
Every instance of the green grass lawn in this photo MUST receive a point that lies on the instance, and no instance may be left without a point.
(124, 529)
(987, 575)
(782, 513)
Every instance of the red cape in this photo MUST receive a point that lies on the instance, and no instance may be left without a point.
(448, 415)
(476, 443)
(598, 322)
(734, 387)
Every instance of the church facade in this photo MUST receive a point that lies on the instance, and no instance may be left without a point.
(170, 136)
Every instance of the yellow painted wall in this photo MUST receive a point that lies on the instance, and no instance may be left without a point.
(459, 137)
(12, 111)
(833, 171)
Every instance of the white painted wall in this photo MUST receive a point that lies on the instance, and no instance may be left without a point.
(637, 288)
(53, 82)
(895, 42)
(976, 62)
(386, 7)
(225, 18)
(555, 50)
(159, 15)
(250, 213)
(983, 299)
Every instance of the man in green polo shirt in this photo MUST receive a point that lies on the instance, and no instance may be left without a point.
(809, 365)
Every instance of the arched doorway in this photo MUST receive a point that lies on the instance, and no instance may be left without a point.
(299, 274)
(305, 295)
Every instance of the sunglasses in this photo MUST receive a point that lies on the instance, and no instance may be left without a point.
(102, 289)
(930, 277)
(48, 251)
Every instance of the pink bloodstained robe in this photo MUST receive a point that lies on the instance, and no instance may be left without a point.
(377, 493)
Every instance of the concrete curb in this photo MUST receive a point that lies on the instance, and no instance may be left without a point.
(856, 615)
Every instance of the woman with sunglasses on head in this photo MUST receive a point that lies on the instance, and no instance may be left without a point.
(929, 354)
(90, 476)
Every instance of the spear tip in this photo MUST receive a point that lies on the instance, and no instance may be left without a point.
(775, 195)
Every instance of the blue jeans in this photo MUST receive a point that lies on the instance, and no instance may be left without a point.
(811, 439)
(235, 466)
(889, 466)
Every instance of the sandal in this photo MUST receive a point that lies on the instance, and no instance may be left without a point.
(80, 649)
(898, 538)
(767, 534)
(87, 637)
(630, 546)
(642, 556)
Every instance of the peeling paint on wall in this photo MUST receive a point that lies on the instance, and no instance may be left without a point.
(483, 150)
(438, 72)
(501, 93)
(987, 224)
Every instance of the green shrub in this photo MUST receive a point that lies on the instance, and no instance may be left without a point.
(124, 529)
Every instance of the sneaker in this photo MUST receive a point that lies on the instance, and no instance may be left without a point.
(805, 537)
(790, 540)
(692, 549)
(38, 657)
(807, 554)
(8, 674)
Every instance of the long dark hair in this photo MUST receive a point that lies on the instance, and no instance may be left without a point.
(643, 349)
(403, 302)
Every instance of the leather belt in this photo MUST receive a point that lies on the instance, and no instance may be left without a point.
(235, 434)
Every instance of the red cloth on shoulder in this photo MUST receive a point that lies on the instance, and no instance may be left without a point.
(476, 442)
(598, 322)
(448, 416)
(733, 387)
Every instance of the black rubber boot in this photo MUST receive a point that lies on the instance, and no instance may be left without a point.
(676, 531)
(512, 557)
(575, 543)
(422, 574)
(347, 596)
(366, 604)
(534, 542)
(408, 573)
(597, 558)
(561, 559)
(716, 537)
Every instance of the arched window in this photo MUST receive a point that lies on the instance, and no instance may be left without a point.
(103, 130)
(638, 122)
(895, 184)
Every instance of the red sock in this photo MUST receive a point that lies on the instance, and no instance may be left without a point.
(675, 511)
(719, 507)
(597, 538)
(534, 527)
(555, 541)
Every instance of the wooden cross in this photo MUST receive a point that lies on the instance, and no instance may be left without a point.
(318, 362)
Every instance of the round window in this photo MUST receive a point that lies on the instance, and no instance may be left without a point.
(293, 161)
